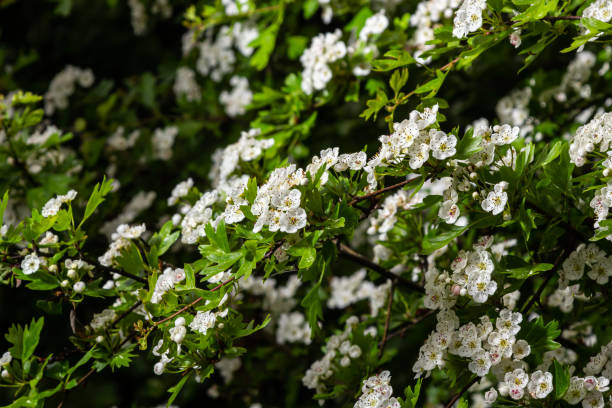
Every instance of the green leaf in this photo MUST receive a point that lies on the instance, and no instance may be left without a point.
(122, 358)
(412, 396)
(468, 145)
(374, 105)
(433, 85)
(394, 59)
(439, 238)
(175, 390)
(31, 337)
(561, 379)
(398, 80)
(310, 7)
(536, 11)
(97, 197)
(147, 90)
(296, 44)
(3, 204)
(540, 336)
(313, 304)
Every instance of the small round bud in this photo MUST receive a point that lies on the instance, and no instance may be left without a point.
(473, 176)
(5, 374)
(475, 195)
(65, 283)
(606, 172)
(99, 339)
(180, 321)
(221, 325)
(71, 274)
(53, 268)
(159, 368)
(79, 287)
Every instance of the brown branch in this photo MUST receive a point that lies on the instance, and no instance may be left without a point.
(195, 302)
(127, 312)
(460, 393)
(558, 18)
(381, 191)
(350, 254)
(387, 319)
(401, 329)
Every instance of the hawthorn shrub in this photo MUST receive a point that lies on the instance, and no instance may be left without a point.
(306, 203)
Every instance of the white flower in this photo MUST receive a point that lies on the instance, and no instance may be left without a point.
(293, 220)
(504, 134)
(496, 200)
(443, 145)
(576, 391)
(480, 364)
(521, 349)
(516, 380)
(540, 384)
(30, 264)
(203, 321)
(593, 399)
(481, 287)
(449, 212)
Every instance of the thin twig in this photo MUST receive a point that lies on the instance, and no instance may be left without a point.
(381, 191)
(349, 253)
(460, 393)
(401, 329)
(195, 302)
(127, 312)
(387, 319)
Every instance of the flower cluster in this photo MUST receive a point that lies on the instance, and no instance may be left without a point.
(377, 392)
(120, 240)
(374, 25)
(163, 139)
(600, 10)
(118, 141)
(586, 256)
(427, 14)
(165, 282)
(226, 160)
(413, 138)
(216, 55)
(62, 86)
(277, 204)
(236, 101)
(52, 207)
(186, 86)
(471, 275)
(383, 220)
(324, 49)
(346, 290)
(338, 353)
(589, 389)
(468, 17)
(293, 328)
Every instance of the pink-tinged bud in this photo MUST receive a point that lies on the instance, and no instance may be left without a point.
(456, 290)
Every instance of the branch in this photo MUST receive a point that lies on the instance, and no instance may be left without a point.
(195, 302)
(460, 393)
(558, 18)
(401, 329)
(350, 254)
(381, 191)
(387, 319)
